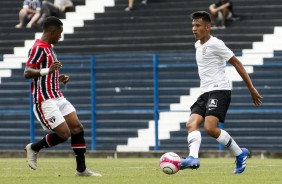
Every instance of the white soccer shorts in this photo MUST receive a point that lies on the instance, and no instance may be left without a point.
(51, 112)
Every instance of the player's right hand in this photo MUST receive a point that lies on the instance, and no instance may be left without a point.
(55, 66)
(257, 98)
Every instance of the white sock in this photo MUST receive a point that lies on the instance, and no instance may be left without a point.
(194, 142)
(225, 139)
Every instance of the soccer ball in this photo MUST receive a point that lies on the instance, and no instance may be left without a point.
(169, 163)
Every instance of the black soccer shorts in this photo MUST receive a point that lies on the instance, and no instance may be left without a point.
(213, 103)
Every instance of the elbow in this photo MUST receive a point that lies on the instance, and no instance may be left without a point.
(212, 8)
(27, 75)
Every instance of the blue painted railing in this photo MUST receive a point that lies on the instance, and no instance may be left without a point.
(93, 103)
(156, 100)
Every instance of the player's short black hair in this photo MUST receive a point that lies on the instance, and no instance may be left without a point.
(52, 21)
(201, 15)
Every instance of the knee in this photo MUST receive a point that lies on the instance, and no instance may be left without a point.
(190, 126)
(77, 129)
(210, 131)
(22, 12)
(65, 135)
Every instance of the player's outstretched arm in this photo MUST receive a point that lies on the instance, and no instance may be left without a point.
(257, 98)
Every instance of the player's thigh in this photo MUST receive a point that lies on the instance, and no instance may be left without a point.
(197, 113)
(69, 113)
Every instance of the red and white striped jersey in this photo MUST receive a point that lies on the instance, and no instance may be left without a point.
(41, 55)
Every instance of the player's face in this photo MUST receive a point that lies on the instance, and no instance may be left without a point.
(56, 35)
(201, 30)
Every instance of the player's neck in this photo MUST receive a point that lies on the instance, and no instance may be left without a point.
(205, 39)
(45, 39)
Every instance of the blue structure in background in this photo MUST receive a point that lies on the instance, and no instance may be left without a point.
(31, 115)
(155, 66)
(93, 102)
(156, 100)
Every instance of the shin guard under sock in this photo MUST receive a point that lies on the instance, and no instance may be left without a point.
(79, 148)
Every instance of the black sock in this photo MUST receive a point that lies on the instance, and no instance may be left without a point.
(79, 147)
(48, 141)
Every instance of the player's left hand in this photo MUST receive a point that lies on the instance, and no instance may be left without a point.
(64, 78)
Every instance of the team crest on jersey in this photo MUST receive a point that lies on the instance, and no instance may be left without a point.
(212, 103)
(52, 119)
(204, 50)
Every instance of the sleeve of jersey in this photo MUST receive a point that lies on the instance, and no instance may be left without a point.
(34, 57)
(223, 51)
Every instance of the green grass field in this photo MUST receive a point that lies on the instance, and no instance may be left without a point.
(138, 170)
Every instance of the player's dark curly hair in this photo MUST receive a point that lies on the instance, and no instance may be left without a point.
(51, 21)
(201, 15)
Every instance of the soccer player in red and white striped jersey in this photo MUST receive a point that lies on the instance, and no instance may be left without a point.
(52, 110)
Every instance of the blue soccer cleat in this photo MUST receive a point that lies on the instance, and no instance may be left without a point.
(189, 163)
(241, 161)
